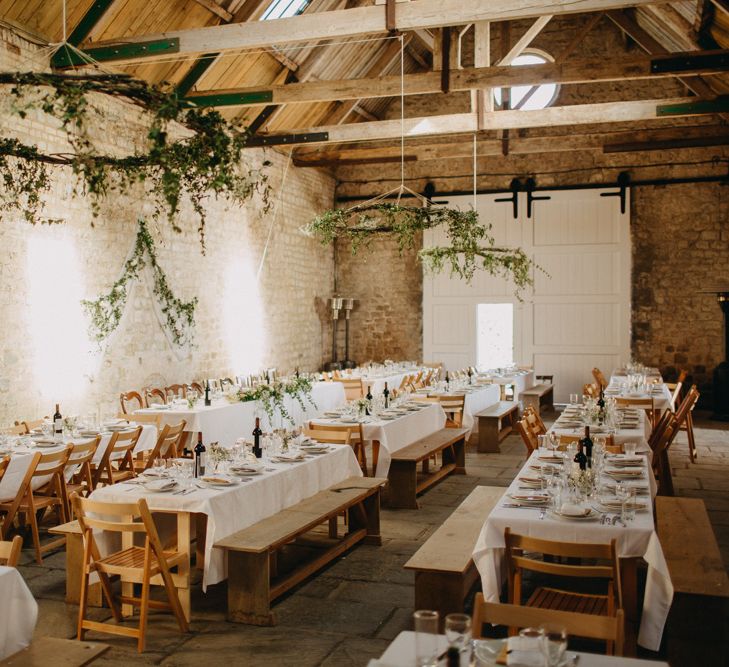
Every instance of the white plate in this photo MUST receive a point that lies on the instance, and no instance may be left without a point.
(591, 514)
(159, 485)
(47, 443)
(246, 473)
(530, 498)
(220, 482)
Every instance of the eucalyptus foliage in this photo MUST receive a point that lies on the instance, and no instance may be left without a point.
(471, 246)
(272, 394)
(106, 311)
(207, 162)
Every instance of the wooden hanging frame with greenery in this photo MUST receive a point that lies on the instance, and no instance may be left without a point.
(176, 316)
(207, 161)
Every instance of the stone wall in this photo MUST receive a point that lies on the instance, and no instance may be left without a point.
(242, 324)
(680, 232)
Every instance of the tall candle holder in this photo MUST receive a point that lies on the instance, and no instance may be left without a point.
(348, 306)
(335, 304)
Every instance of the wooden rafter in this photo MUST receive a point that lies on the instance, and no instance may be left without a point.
(370, 19)
(216, 9)
(474, 78)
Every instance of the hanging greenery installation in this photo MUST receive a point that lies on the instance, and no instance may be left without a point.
(106, 311)
(471, 246)
(207, 161)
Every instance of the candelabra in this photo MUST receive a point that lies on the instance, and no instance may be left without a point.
(336, 306)
(348, 306)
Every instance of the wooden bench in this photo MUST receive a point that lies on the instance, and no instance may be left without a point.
(74, 561)
(45, 651)
(270, 557)
(697, 630)
(495, 423)
(405, 480)
(444, 569)
(540, 397)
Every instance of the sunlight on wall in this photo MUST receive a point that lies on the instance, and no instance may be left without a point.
(63, 357)
(243, 319)
(495, 335)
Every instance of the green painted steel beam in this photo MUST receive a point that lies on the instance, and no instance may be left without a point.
(231, 99)
(201, 65)
(89, 20)
(66, 57)
(718, 105)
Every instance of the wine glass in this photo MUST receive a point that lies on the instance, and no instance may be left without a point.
(574, 399)
(554, 643)
(426, 637)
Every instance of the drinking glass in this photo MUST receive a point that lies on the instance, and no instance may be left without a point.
(458, 634)
(628, 504)
(543, 443)
(426, 638)
(629, 448)
(574, 399)
(622, 493)
(554, 643)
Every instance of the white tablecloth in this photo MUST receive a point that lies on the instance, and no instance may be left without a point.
(400, 432)
(225, 422)
(477, 399)
(520, 379)
(638, 435)
(639, 539)
(401, 653)
(231, 510)
(20, 459)
(661, 395)
(18, 612)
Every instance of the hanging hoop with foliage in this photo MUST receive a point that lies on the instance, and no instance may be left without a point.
(207, 161)
(471, 246)
(178, 317)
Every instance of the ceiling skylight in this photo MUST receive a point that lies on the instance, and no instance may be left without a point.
(281, 9)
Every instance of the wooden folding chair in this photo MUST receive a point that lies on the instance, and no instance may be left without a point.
(610, 629)
(332, 433)
(688, 423)
(675, 389)
(198, 387)
(610, 445)
(79, 465)
(530, 441)
(155, 396)
(166, 447)
(591, 389)
(30, 504)
(599, 378)
(645, 404)
(353, 388)
(142, 418)
(534, 421)
(453, 406)
(131, 401)
(602, 564)
(4, 463)
(18, 429)
(10, 551)
(148, 565)
(117, 462)
(176, 391)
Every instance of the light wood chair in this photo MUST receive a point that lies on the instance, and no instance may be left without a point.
(599, 378)
(18, 429)
(530, 441)
(591, 389)
(143, 418)
(148, 565)
(198, 387)
(602, 564)
(117, 462)
(610, 629)
(31, 504)
(534, 420)
(10, 551)
(31, 424)
(176, 391)
(224, 383)
(4, 463)
(128, 399)
(331, 433)
(453, 406)
(79, 466)
(166, 447)
(688, 423)
(155, 396)
(645, 404)
(353, 388)
(565, 440)
(675, 389)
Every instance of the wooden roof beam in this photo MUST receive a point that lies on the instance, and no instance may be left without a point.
(579, 114)
(474, 78)
(353, 22)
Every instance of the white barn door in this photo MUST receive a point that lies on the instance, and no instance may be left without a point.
(575, 318)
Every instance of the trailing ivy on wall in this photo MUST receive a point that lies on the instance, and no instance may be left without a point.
(209, 161)
(106, 312)
(471, 246)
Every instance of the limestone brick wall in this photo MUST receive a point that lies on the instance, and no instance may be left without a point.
(244, 321)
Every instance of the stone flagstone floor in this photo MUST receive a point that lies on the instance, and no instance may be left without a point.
(350, 611)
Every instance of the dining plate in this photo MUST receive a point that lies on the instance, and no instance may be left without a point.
(588, 513)
(317, 449)
(549, 458)
(47, 443)
(616, 506)
(246, 473)
(530, 499)
(625, 473)
(159, 485)
(218, 481)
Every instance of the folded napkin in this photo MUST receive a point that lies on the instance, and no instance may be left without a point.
(570, 509)
(524, 651)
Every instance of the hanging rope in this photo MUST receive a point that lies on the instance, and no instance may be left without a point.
(474, 171)
(274, 216)
(402, 116)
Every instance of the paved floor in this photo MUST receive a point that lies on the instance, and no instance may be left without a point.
(349, 612)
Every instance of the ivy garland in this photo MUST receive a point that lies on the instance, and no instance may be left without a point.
(272, 394)
(471, 246)
(106, 311)
(209, 161)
